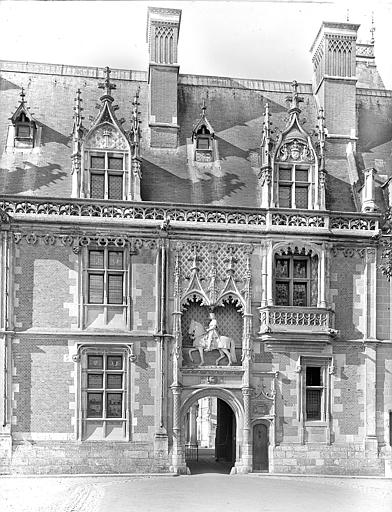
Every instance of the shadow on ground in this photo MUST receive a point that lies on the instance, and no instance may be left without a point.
(206, 463)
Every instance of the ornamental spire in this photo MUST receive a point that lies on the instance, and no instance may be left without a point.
(294, 99)
(22, 101)
(135, 122)
(107, 85)
(372, 30)
(321, 138)
(203, 108)
(78, 118)
(266, 142)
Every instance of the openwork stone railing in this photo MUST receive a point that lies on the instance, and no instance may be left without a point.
(265, 220)
(287, 318)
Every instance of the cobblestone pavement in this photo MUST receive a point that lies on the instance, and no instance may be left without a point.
(202, 493)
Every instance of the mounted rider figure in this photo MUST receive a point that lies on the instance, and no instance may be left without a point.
(212, 331)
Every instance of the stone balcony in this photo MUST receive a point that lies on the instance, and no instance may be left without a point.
(307, 322)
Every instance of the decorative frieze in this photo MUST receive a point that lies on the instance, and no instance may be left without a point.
(298, 220)
(349, 252)
(79, 241)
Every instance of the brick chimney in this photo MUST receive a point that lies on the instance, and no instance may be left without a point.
(163, 26)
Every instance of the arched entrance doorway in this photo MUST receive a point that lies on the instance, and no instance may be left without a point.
(260, 447)
(211, 428)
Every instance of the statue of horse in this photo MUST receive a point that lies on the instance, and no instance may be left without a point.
(224, 344)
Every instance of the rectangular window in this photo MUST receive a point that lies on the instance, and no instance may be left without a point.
(105, 288)
(203, 143)
(292, 281)
(23, 131)
(314, 389)
(97, 186)
(293, 186)
(115, 186)
(104, 394)
(98, 162)
(314, 400)
(285, 196)
(107, 175)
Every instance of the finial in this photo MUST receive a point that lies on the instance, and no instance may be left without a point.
(294, 99)
(107, 83)
(22, 95)
(348, 15)
(372, 30)
(135, 110)
(266, 121)
(203, 108)
(78, 108)
(135, 126)
(321, 137)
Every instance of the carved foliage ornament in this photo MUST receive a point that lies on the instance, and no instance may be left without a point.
(102, 240)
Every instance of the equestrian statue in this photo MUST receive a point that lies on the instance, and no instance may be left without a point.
(210, 339)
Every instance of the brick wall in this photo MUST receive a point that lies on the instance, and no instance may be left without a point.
(44, 279)
(43, 379)
(163, 84)
(144, 290)
(348, 393)
(347, 295)
(144, 391)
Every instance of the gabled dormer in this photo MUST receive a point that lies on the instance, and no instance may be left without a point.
(107, 155)
(204, 150)
(24, 132)
(203, 136)
(290, 173)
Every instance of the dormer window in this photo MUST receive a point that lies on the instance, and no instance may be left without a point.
(24, 131)
(106, 160)
(291, 174)
(203, 139)
(107, 175)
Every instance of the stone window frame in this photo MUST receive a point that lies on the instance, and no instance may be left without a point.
(271, 249)
(106, 171)
(291, 280)
(325, 363)
(293, 184)
(105, 306)
(206, 155)
(105, 424)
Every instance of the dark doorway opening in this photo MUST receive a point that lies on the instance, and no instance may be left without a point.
(216, 437)
(260, 447)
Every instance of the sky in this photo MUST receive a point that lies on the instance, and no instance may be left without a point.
(261, 39)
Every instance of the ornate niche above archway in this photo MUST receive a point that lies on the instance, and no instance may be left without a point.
(212, 278)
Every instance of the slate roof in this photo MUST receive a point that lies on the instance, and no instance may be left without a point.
(235, 110)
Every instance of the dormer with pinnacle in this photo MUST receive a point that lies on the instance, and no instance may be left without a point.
(290, 174)
(110, 158)
(24, 131)
(203, 137)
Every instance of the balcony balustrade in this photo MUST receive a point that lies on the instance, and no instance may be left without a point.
(285, 319)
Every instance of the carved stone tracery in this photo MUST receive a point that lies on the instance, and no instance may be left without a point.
(217, 276)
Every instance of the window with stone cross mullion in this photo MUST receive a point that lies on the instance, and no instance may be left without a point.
(107, 175)
(293, 186)
(104, 392)
(292, 280)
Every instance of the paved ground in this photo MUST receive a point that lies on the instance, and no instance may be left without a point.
(206, 492)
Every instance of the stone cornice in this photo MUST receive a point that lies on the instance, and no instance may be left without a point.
(153, 216)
